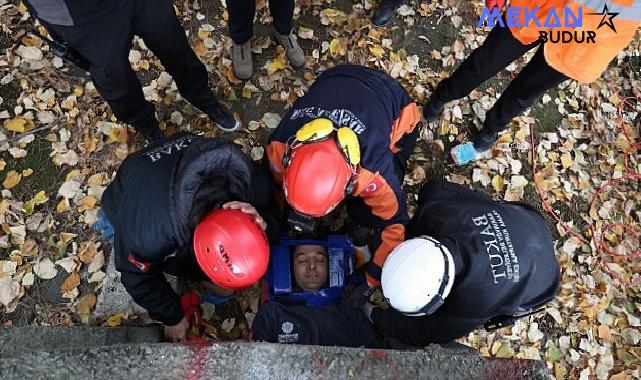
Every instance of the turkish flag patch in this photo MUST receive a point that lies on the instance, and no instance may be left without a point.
(144, 267)
(372, 187)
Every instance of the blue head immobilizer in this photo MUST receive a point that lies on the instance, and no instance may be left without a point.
(340, 255)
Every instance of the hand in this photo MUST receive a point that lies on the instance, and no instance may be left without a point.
(367, 309)
(177, 333)
(247, 209)
(490, 4)
(355, 295)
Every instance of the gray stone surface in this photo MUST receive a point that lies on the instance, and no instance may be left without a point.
(113, 297)
(18, 340)
(233, 360)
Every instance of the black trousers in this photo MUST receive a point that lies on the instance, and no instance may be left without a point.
(241, 17)
(499, 50)
(106, 42)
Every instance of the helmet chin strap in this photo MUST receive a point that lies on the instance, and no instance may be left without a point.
(438, 298)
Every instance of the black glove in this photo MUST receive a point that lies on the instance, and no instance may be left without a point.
(367, 309)
(355, 296)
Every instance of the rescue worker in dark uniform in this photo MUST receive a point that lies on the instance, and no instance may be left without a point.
(160, 205)
(286, 321)
(349, 136)
(469, 260)
(101, 31)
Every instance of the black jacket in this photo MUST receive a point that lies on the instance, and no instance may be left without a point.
(155, 201)
(329, 325)
(504, 260)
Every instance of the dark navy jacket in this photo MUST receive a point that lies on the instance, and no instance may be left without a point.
(384, 117)
(329, 325)
(155, 201)
(504, 260)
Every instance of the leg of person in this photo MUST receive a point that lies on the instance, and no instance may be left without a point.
(105, 43)
(283, 12)
(386, 11)
(499, 49)
(241, 29)
(531, 83)
(157, 24)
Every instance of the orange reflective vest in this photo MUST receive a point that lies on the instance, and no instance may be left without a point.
(584, 62)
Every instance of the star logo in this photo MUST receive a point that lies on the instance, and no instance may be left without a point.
(607, 18)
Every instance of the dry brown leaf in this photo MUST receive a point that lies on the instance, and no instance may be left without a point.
(71, 282)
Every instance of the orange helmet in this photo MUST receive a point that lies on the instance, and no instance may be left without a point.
(317, 177)
(231, 248)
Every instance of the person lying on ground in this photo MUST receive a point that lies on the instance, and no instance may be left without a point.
(327, 325)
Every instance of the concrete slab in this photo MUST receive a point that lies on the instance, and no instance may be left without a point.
(113, 296)
(18, 340)
(233, 360)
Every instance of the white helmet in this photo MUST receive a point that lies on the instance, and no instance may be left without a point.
(417, 276)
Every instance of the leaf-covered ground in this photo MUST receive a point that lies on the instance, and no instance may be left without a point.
(585, 164)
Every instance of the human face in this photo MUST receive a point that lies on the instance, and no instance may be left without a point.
(310, 267)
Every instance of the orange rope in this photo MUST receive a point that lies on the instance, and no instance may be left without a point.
(600, 246)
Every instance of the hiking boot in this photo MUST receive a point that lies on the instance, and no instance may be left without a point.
(242, 60)
(294, 52)
(224, 118)
(385, 12)
(432, 108)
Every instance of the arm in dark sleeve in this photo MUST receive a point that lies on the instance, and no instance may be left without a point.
(147, 285)
(421, 331)
(367, 335)
(265, 200)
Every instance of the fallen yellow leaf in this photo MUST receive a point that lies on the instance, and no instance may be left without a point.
(18, 124)
(37, 199)
(115, 319)
(566, 160)
(276, 64)
(63, 205)
(202, 34)
(118, 134)
(498, 183)
(334, 46)
(376, 50)
(11, 179)
(40, 197)
(27, 172)
(3, 163)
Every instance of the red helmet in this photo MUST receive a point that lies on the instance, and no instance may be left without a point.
(317, 177)
(231, 248)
